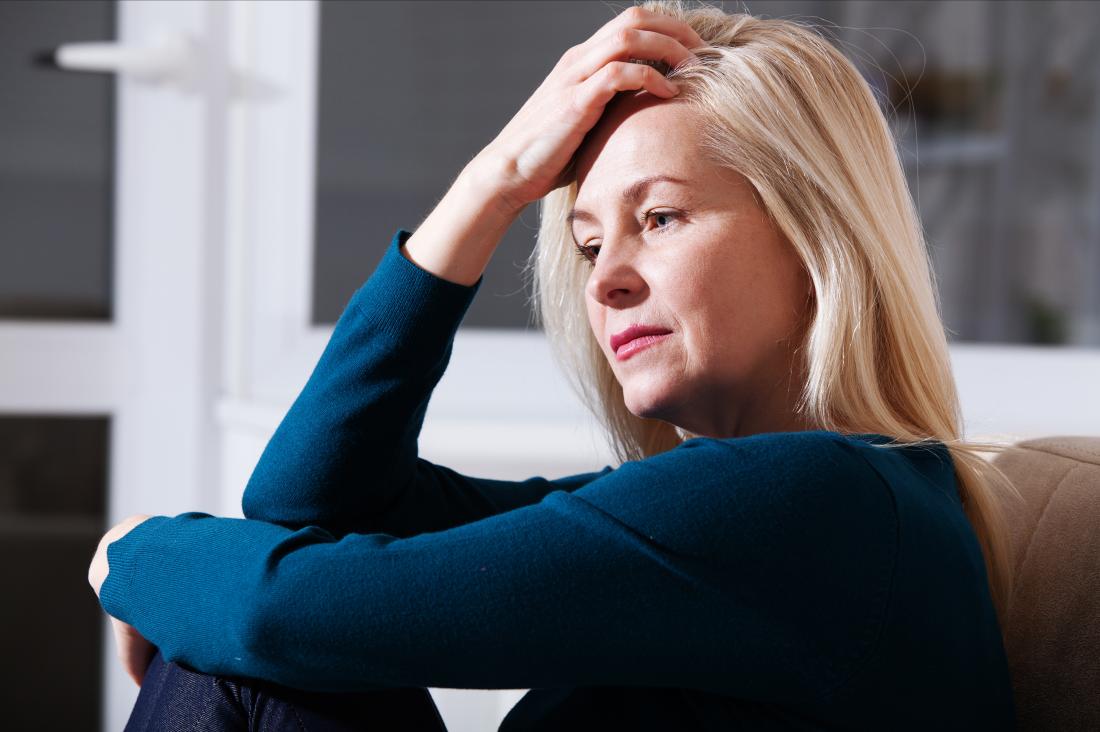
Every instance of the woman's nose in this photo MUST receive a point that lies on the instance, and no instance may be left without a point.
(615, 280)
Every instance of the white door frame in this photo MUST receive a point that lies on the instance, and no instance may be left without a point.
(164, 366)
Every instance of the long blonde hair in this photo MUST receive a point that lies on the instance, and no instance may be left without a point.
(784, 108)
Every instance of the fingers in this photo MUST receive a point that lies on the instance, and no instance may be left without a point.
(619, 76)
(637, 33)
(642, 19)
(533, 150)
(132, 649)
(629, 43)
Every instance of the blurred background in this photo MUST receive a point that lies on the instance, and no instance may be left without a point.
(186, 207)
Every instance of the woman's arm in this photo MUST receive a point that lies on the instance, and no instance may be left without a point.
(703, 567)
(345, 455)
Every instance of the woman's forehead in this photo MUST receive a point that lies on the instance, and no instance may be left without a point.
(635, 123)
(640, 136)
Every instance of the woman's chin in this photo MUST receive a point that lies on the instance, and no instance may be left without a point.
(649, 405)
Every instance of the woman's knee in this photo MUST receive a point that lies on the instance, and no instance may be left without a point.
(279, 708)
(174, 697)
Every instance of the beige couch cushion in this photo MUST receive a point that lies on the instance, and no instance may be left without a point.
(1052, 633)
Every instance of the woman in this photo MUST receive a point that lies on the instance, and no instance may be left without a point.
(731, 269)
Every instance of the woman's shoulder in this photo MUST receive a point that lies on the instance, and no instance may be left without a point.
(793, 480)
(819, 471)
(789, 482)
(833, 471)
(781, 498)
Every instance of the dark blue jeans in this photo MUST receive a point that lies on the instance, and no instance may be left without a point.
(174, 698)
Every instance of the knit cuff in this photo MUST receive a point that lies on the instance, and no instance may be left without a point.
(124, 556)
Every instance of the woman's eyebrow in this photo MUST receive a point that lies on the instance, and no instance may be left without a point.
(631, 194)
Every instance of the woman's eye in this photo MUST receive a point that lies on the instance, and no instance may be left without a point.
(588, 252)
(663, 218)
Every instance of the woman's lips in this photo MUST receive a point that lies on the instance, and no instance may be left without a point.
(635, 338)
(629, 348)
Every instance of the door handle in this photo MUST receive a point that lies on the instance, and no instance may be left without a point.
(166, 58)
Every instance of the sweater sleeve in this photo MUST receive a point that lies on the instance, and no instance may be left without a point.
(759, 566)
(345, 456)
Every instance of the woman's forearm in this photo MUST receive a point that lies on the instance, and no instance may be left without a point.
(345, 455)
(459, 236)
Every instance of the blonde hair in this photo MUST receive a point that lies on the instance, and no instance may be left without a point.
(784, 108)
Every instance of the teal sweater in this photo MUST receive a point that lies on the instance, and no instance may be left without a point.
(806, 580)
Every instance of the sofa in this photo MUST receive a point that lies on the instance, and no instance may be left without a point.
(1052, 620)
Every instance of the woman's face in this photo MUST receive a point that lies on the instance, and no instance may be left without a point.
(699, 261)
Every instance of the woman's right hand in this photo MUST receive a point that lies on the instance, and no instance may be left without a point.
(528, 158)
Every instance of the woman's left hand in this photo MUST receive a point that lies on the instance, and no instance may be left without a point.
(133, 650)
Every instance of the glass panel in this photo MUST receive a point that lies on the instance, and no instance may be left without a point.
(53, 493)
(994, 106)
(409, 92)
(56, 165)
